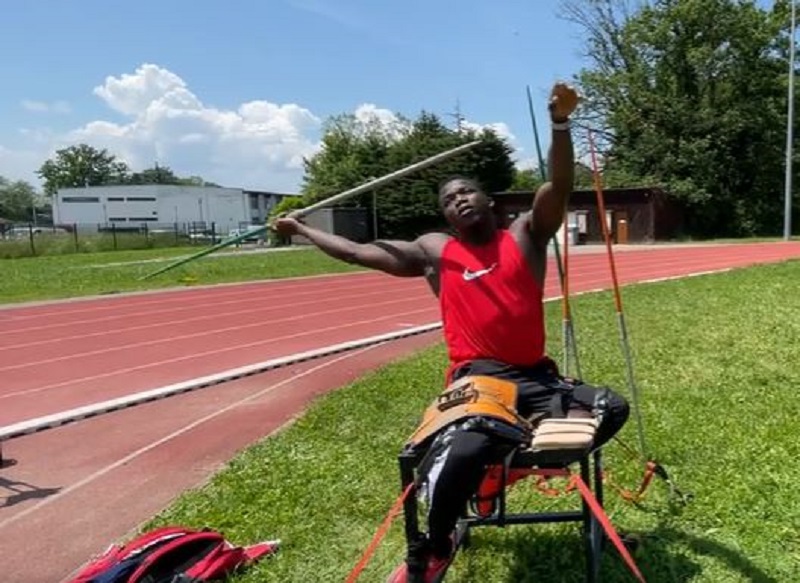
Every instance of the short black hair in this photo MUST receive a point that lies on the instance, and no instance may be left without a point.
(469, 180)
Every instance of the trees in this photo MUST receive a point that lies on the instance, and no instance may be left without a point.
(355, 151)
(155, 175)
(527, 179)
(691, 94)
(531, 178)
(18, 200)
(81, 165)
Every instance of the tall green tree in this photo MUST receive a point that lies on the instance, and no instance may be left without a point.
(195, 181)
(529, 179)
(18, 200)
(355, 151)
(82, 165)
(691, 94)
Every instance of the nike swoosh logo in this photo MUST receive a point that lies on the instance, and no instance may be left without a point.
(470, 275)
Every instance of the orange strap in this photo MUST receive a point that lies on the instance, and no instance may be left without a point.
(381, 532)
(542, 486)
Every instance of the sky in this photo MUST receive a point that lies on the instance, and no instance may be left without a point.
(237, 92)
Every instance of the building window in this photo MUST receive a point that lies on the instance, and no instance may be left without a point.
(80, 199)
(141, 199)
(140, 219)
(117, 219)
(115, 199)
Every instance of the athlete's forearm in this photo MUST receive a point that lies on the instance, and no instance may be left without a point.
(561, 164)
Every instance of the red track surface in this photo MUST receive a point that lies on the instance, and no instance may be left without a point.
(75, 489)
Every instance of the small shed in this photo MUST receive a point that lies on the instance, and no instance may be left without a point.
(352, 223)
(633, 215)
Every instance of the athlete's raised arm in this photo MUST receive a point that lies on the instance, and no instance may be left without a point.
(550, 202)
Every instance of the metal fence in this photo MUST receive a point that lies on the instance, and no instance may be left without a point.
(28, 239)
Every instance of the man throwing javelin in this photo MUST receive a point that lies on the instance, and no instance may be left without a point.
(490, 282)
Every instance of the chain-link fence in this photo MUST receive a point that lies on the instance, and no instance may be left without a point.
(27, 239)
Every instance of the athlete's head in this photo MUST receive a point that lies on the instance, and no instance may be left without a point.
(464, 203)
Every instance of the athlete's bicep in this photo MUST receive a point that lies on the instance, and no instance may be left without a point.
(400, 258)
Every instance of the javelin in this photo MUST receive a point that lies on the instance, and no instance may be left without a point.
(372, 184)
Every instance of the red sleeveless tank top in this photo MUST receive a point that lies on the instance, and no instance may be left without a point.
(491, 304)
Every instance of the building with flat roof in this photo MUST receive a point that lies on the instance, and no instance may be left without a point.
(129, 207)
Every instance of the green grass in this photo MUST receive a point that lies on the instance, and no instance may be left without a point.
(716, 363)
(65, 276)
(69, 243)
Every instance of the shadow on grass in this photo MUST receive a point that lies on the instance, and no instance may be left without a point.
(734, 560)
(557, 557)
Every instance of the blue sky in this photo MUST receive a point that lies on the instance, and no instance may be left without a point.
(238, 94)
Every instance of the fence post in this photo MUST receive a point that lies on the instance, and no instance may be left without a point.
(176, 233)
(114, 234)
(75, 236)
(30, 238)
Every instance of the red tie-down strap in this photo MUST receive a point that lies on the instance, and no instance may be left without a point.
(543, 475)
(393, 513)
(602, 518)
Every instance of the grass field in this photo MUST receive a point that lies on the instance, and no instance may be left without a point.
(716, 363)
(66, 276)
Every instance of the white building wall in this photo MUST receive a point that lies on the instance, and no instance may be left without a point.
(152, 204)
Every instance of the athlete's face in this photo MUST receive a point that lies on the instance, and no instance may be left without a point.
(464, 205)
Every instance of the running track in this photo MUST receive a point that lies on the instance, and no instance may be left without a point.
(70, 491)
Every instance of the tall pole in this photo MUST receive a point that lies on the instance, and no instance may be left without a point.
(375, 214)
(787, 211)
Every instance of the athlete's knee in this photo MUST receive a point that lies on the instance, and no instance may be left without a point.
(615, 406)
(618, 408)
(614, 411)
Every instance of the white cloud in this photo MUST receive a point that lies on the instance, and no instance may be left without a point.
(45, 107)
(499, 128)
(369, 113)
(258, 144)
(529, 163)
(131, 94)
